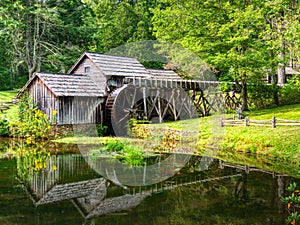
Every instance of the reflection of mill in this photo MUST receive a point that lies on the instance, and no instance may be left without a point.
(94, 195)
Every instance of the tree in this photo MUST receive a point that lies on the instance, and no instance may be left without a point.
(27, 27)
(225, 34)
(281, 35)
(121, 22)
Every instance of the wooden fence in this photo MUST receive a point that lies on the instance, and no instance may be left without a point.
(7, 105)
(274, 122)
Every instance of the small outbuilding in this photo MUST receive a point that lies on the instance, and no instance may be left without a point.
(76, 99)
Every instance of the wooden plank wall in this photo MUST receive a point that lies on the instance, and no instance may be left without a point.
(95, 74)
(43, 98)
(80, 110)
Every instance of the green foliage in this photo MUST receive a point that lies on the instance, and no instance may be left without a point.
(4, 128)
(132, 155)
(32, 123)
(169, 142)
(121, 22)
(126, 153)
(33, 158)
(290, 92)
(293, 204)
(240, 40)
(114, 146)
(101, 130)
(261, 95)
(138, 130)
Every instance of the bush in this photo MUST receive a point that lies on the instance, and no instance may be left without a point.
(261, 95)
(169, 142)
(101, 130)
(32, 122)
(4, 128)
(138, 130)
(114, 146)
(290, 92)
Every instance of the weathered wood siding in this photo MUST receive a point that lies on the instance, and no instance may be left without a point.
(95, 74)
(79, 110)
(43, 98)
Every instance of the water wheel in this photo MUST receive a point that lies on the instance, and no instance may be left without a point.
(154, 104)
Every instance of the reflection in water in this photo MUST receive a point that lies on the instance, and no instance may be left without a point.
(69, 177)
(68, 189)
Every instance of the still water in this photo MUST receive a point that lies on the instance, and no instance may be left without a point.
(72, 188)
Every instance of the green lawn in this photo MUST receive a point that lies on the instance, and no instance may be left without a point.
(282, 142)
(7, 96)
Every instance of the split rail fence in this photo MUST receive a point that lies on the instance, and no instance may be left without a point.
(274, 122)
(7, 105)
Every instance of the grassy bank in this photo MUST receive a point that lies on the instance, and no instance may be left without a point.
(280, 143)
(7, 96)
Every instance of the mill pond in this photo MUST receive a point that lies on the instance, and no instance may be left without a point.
(75, 188)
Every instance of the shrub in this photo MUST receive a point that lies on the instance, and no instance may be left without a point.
(127, 154)
(4, 128)
(133, 156)
(138, 130)
(290, 92)
(293, 203)
(169, 142)
(261, 95)
(32, 122)
(101, 130)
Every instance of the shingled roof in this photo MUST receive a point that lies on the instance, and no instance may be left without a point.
(112, 65)
(68, 85)
(164, 74)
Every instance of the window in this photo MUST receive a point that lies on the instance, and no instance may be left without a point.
(87, 69)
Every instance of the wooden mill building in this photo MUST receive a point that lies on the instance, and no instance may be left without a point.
(79, 96)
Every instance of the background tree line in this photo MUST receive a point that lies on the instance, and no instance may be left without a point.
(241, 41)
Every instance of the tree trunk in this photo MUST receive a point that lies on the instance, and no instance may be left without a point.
(244, 95)
(281, 70)
(275, 90)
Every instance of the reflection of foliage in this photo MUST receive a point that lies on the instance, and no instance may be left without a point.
(31, 159)
(293, 204)
(32, 122)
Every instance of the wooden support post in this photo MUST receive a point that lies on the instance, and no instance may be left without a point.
(159, 110)
(247, 121)
(222, 121)
(145, 103)
(274, 122)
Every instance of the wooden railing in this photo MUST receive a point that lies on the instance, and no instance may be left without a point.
(274, 122)
(6, 105)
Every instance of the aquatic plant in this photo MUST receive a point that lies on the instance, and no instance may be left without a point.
(130, 154)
